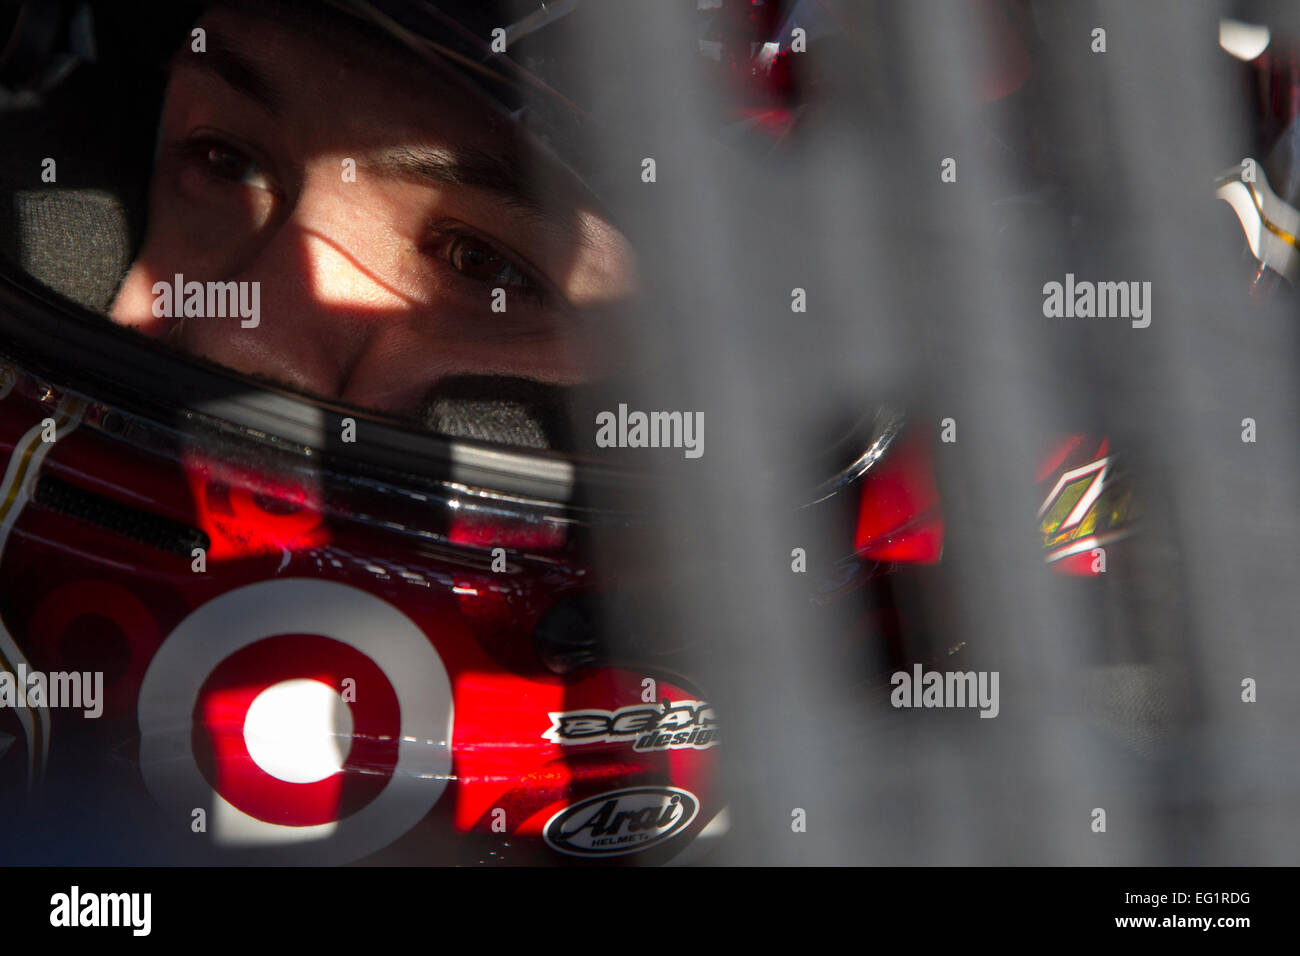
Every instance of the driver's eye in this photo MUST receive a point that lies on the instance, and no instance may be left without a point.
(225, 161)
(479, 260)
(229, 163)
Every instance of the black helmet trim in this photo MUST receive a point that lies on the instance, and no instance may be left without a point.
(71, 346)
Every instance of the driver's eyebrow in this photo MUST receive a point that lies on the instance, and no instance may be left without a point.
(496, 173)
(236, 70)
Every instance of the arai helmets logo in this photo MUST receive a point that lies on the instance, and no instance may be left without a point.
(623, 821)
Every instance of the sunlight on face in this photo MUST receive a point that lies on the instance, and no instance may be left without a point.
(378, 207)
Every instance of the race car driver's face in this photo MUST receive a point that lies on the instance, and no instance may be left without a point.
(378, 209)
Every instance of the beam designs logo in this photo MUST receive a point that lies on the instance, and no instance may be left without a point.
(672, 726)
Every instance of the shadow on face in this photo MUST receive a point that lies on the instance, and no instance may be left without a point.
(334, 216)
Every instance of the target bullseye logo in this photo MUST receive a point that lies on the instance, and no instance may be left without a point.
(282, 698)
(301, 714)
(296, 730)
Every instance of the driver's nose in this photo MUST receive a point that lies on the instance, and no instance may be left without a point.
(327, 320)
(330, 323)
